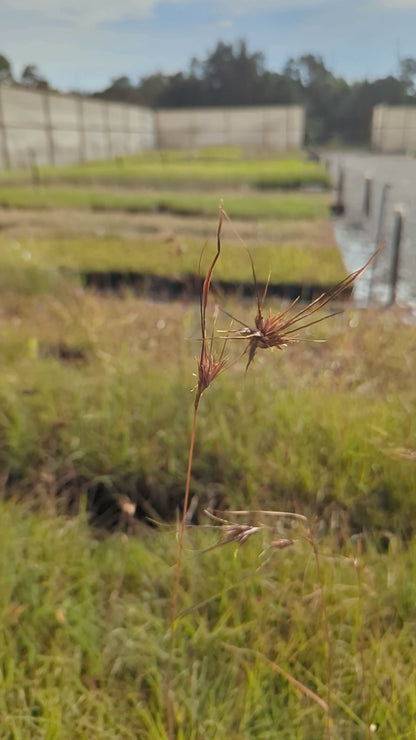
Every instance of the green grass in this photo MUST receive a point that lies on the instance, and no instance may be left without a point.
(287, 263)
(161, 170)
(305, 427)
(247, 205)
(218, 153)
(84, 638)
(326, 429)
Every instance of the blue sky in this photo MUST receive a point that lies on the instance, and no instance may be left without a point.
(83, 44)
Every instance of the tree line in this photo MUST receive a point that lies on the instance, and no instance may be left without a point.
(231, 75)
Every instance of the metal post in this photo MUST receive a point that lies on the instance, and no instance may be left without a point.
(397, 236)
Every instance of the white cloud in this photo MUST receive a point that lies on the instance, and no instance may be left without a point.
(83, 43)
(87, 57)
(85, 12)
(90, 12)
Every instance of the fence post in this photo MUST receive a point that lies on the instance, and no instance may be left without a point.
(396, 242)
(367, 195)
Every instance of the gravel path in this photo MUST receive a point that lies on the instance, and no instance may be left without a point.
(357, 232)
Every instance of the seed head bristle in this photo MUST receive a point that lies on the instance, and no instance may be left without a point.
(278, 330)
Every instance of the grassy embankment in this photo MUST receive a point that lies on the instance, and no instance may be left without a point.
(319, 428)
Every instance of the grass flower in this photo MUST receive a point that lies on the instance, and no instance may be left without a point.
(280, 330)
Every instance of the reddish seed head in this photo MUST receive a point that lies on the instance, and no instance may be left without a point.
(277, 331)
(208, 369)
(270, 331)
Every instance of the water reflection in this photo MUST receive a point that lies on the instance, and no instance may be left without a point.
(374, 284)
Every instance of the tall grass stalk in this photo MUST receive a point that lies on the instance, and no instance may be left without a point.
(270, 331)
(208, 368)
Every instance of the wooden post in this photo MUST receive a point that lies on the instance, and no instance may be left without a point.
(367, 195)
(396, 241)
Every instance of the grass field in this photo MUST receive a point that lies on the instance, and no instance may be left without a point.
(311, 641)
(292, 262)
(85, 643)
(248, 205)
(120, 408)
(158, 169)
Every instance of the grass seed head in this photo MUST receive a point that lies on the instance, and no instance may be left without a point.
(282, 329)
(281, 543)
(238, 533)
(209, 368)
